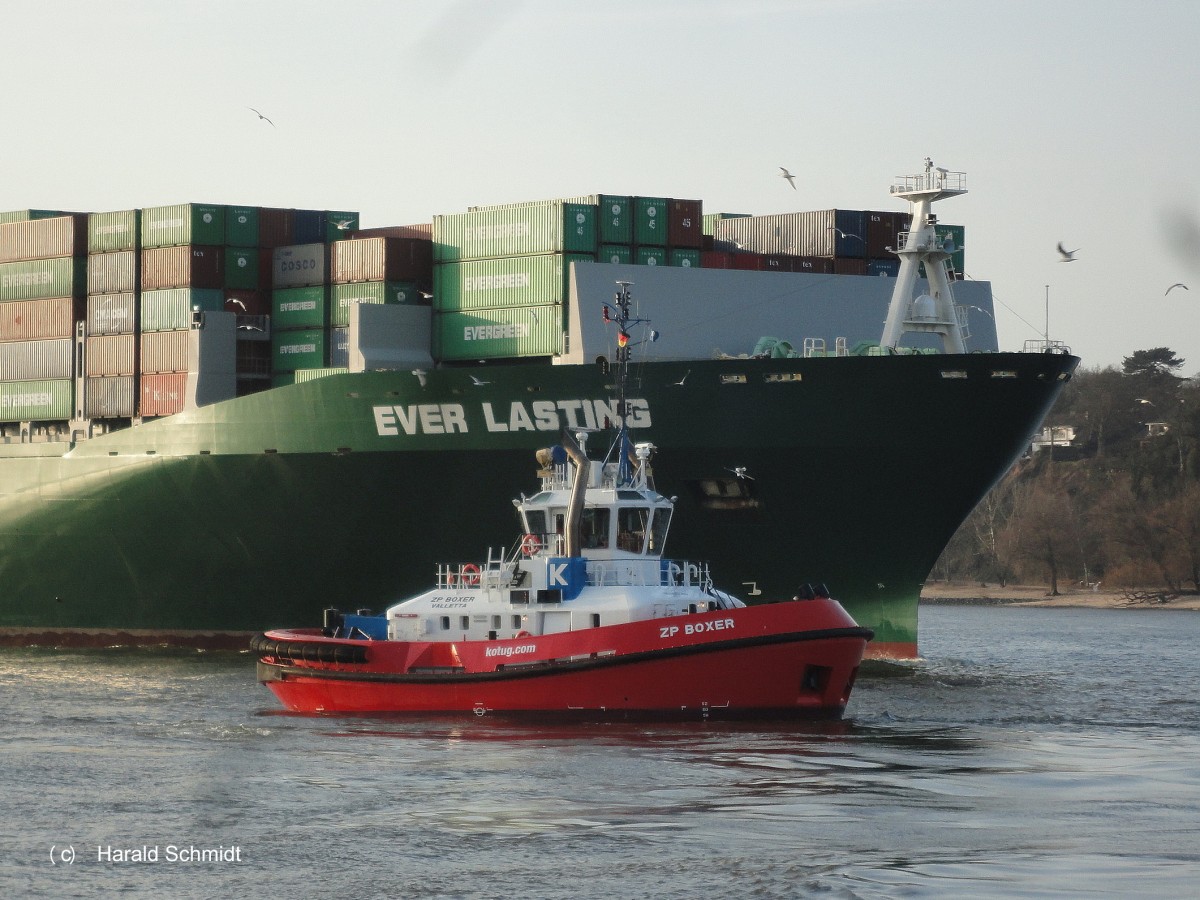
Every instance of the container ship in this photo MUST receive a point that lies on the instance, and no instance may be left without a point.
(217, 419)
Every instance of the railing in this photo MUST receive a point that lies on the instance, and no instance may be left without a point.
(932, 180)
(1046, 346)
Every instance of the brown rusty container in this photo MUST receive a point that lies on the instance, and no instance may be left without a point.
(163, 351)
(846, 266)
(189, 265)
(275, 227)
(37, 320)
(812, 265)
(162, 394)
(111, 354)
(716, 259)
(882, 231)
(44, 238)
(381, 259)
(685, 224)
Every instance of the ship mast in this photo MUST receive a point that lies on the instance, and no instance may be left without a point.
(933, 312)
(619, 315)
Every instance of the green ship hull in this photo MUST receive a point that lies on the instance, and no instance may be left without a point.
(347, 490)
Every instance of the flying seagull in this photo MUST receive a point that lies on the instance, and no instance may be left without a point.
(343, 224)
(740, 472)
(238, 302)
(420, 373)
(261, 116)
(1067, 255)
(843, 234)
(791, 179)
(680, 382)
(1175, 285)
(478, 382)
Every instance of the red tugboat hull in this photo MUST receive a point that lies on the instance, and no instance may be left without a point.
(787, 660)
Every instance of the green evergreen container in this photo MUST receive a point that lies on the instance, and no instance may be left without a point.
(650, 256)
(305, 349)
(686, 259)
(551, 227)
(300, 307)
(503, 282)
(499, 333)
(185, 223)
(650, 221)
(171, 309)
(343, 296)
(622, 254)
(24, 215)
(36, 278)
(241, 268)
(112, 231)
(241, 226)
(33, 401)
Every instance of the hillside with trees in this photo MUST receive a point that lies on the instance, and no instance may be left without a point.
(1110, 495)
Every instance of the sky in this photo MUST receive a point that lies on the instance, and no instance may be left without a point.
(1074, 120)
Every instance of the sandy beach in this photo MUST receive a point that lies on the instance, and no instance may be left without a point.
(1039, 595)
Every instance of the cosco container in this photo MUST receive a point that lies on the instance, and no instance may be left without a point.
(163, 351)
(183, 266)
(650, 217)
(112, 313)
(110, 354)
(344, 296)
(553, 227)
(172, 309)
(827, 232)
(112, 231)
(620, 254)
(503, 282)
(63, 277)
(507, 332)
(380, 259)
(36, 401)
(114, 397)
(185, 223)
(242, 269)
(112, 273)
(685, 224)
(162, 394)
(302, 307)
(37, 360)
(291, 350)
(37, 320)
(299, 264)
(43, 238)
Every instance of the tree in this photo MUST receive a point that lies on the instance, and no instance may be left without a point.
(1157, 364)
(1043, 530)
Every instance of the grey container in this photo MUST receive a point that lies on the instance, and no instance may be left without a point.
(37, 360)
(110, 398)
(110, 354)
(112, 313)
(112, 273)
(43, 238)
(826, 232)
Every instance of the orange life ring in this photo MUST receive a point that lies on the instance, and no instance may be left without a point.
(530, 544)
(469, 575)
(523, 634)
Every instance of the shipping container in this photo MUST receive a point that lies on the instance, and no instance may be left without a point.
(241, 226)
(844, 266)
(37, 360)
(112, 273)
(339, 347)
(43, 238)
(650, 221)
(381, 259)
(275, 227)
(344, 296)
(888, 268)
(684, 258)
(37, 401)
(163, 351)
(242, 269)
(827, 232)
(500, 333)
(114, 397)
(171, 309)
(552, 227)
(423, 231)
(188, 265)
(298, 265)
(184, 223)
(337, 224)
(302, 375)
(883, 229)
(650, 256)
(162, 394)
(710, 220)
(302, 307)
(716, 259)
(24, 215)
(112, 313)
(109, 232)
(777, 262)
(619, 254)
(37, 320)
(812, 265)
(685, 224)
(506, 281)
(34, 279)
(109, 355)
(614, 214)
(747, 261)
(292, 350)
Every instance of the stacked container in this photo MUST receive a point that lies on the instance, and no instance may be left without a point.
(111, 322)
(42, 284)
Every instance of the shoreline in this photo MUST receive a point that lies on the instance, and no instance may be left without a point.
(975, 594)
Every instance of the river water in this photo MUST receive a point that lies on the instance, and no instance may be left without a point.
(1033, 752)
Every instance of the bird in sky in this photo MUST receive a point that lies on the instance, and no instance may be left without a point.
(791, 179)
(261, 116)
(1067, 255)
(1179, 284)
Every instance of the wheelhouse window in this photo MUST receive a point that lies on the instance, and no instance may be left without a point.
(658, 530)
(594, 529)
(632, 525)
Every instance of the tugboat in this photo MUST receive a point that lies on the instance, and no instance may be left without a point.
(583, 616)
